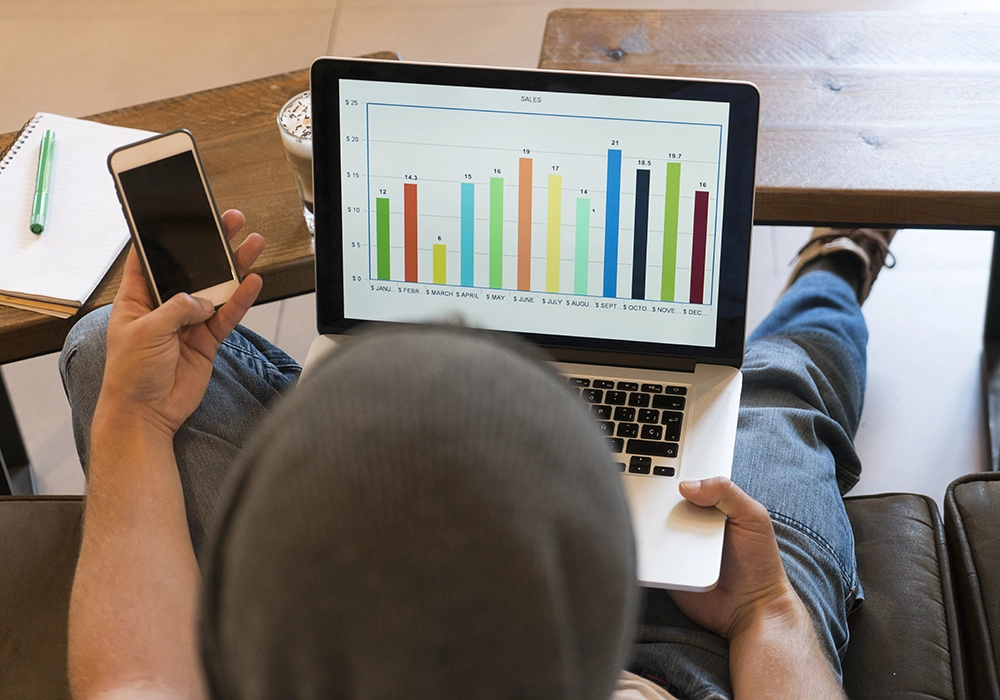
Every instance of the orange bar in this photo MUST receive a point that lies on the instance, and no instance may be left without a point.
(524, 226)
(410, 232)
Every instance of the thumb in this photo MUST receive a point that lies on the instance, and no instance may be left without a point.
(181, 310)
(723, 494)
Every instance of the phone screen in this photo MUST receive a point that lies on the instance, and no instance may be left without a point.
(174, 220)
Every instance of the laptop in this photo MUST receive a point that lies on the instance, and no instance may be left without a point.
(605, 218)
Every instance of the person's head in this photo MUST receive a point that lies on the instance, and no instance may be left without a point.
(432, 515)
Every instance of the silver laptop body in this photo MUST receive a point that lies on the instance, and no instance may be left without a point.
(604, 217)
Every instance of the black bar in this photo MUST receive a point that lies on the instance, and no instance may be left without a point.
(991, 329)
(15, 470)
(991, 357)
(991, 398)
(641, 234)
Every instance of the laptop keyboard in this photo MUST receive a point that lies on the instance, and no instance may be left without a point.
(643, 421)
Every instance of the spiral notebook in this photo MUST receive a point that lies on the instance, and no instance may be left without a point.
(55, 272)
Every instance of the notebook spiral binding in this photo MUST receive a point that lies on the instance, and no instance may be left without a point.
(8, 153)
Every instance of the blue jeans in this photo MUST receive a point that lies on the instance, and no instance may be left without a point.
(804, 377)
(248, 374)
(803, 389)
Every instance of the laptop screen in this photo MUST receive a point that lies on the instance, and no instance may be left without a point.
(596, 216)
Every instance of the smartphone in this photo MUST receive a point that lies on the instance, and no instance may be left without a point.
(175, 224)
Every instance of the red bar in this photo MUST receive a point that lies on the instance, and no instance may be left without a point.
(524, 225)
(410, 231)
(698, 247)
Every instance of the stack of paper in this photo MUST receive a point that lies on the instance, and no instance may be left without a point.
(56, 271)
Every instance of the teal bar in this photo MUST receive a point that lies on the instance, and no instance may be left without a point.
(468, 233)
(582, 260)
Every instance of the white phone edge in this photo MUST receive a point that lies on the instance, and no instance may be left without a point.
(150, 150)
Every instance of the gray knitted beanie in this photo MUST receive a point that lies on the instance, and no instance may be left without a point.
(431, 515)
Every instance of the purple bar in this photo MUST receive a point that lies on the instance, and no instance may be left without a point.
(698, 247)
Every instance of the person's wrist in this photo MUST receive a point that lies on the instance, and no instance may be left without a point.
(780, 607)
(123, 420)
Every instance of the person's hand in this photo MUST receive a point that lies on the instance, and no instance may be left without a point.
(752, 584)
(159, 360)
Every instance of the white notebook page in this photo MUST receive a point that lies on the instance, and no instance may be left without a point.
(84, 228)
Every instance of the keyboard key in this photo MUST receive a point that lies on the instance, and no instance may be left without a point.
(620, 465)
(649, 415)
(603, 384)
(652, 432)
(639, 465)
(654, 449)
(628, 430)
(616, 444)
(601, 412)
(640, 400)
(628, 386)
(625, 413)
(659, 471)
(615, 398)
(677, 390)
(652, 388)
(672, 425)
(674, 403)
(579, 381)
(593, 395)
(672, 432)
(672, 417)
(606, 427)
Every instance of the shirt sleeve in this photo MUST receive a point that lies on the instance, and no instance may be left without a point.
(632, 687)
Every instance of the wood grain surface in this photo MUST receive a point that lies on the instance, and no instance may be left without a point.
(239, 142)
(889, 118)
(237, 133)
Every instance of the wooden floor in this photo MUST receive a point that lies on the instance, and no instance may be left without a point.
(922, 424)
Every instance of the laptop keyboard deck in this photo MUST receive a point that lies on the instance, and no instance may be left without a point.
(643, 421)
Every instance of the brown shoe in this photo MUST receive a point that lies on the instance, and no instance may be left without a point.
(869, 245)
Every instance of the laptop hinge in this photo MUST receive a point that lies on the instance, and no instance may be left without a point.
(622, 359)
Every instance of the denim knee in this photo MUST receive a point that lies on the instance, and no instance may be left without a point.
(86, 340)
(81, 366)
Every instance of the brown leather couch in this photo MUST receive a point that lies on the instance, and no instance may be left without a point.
(972, 511)
(924, 631)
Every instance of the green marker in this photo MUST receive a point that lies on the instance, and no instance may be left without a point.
(41, 201)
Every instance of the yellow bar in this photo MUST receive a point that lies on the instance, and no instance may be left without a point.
(439, 264)
(555, 225)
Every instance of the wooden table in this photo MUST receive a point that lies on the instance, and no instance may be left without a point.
(239, 142)
(238, 137)
(888, 119)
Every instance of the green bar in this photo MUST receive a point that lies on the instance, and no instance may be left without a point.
(439, 264)
(382, 236)
(582, 261)
(671, 214)
(496, 232)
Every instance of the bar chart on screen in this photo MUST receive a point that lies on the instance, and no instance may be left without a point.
(539, 201)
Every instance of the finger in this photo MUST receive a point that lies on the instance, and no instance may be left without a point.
(181, 310)
(233, 311)
(133, 286)
(723, 494)
(232, 221)
(248, 252)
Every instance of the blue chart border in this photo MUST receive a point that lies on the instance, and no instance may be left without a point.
(716, 236)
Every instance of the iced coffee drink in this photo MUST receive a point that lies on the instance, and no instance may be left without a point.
(295, 125)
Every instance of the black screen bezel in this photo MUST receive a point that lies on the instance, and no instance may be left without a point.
(744, 108)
